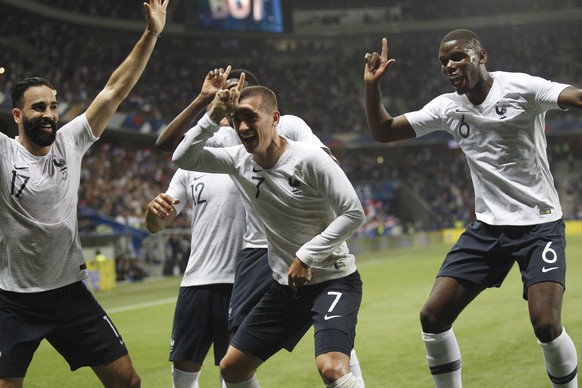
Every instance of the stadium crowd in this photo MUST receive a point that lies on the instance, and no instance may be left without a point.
(318, 79)
(409, 10)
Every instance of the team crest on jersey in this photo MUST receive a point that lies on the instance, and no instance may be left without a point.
(294, 183)
(61, 164)
(501, 111)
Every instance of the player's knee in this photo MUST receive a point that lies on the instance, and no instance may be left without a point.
(546, 331)
(430, 321)
(135, 381)
(225, 369)
(120, 373)
(131, 380)
(331, 369)
(231, 371)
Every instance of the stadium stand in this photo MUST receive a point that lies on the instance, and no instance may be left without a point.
(317, 76)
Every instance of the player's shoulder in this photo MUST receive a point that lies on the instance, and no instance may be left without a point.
(291, 122)
(306, 150)
(6, 142)
(516, 79)
(290, 119)
(188, 178)
(224, 137)
(5, 138)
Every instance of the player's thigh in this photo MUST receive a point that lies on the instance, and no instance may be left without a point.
(85, 334)
(448, 298)
(279, 316)
(253, 278)
(11, 382)
(118, 373)
(477, 257)
(25, 320)
(545, 308)
(335, 314)
(542, 255)
(200, 319)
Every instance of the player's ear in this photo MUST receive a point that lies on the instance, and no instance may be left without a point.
(276, 118)
(482, 56)
(16, 115)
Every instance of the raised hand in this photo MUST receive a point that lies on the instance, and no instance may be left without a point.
(376, 65)
(156, 15)
(226, 101)
(214, 81)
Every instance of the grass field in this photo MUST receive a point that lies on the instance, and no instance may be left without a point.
(497, 344)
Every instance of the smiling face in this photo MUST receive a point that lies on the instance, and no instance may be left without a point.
(257, 127)
(37, 116)
(463, 63)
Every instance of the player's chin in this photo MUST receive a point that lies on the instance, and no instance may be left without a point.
(461, 90)
(458, 86)
(250, 145)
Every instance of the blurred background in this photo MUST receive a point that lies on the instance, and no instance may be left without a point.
(311, 54)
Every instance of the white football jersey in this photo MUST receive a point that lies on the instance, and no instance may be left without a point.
(306, 203)
(218, 225)
(40, 248)
(290, 127)
(505, 145)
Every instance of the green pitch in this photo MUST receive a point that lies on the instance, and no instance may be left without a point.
(497, 343)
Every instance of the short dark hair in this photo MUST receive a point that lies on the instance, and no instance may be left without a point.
(18, 90)
(250, 78)
(269, 99)
(473, 40)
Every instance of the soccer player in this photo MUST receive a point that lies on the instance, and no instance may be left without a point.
(253, 275)
(308, 208)
(218, 226)
(42, 295)
(497, 118)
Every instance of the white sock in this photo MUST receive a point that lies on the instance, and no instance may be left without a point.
(444, 358)
(181, 379)
(250, 383)
(355, 368)
(346, 381)
(561, 361)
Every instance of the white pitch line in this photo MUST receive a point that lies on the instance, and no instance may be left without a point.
(140, 305)
(173, 300)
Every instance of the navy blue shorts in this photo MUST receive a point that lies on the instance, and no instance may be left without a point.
(253, 277)
(69, 318)
(200, 320)
(331, 307)
(484, 254)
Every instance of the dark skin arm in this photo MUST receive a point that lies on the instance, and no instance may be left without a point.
(171, 136)
(570, 97)
(383, 126)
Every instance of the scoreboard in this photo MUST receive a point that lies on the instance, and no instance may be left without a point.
(240, 15)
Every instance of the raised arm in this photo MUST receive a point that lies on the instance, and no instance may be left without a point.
(171, 136)
(188, 153)
(128, 73)
(383, 126)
